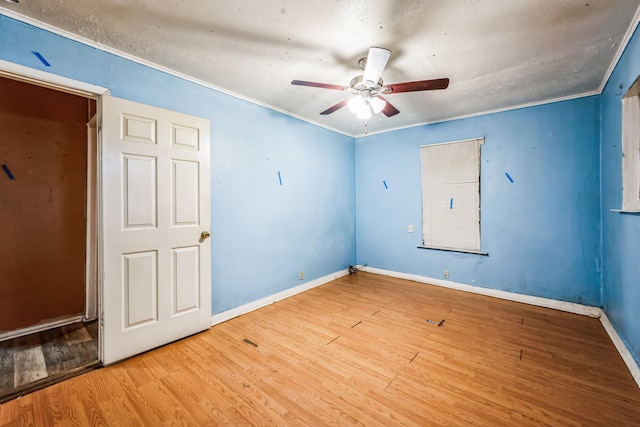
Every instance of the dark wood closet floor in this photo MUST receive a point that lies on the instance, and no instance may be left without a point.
(39, 359)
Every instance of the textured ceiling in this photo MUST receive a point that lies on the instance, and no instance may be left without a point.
(496, 53)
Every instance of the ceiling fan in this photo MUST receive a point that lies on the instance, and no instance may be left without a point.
(369, 88)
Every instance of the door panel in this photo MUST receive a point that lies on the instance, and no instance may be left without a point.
(139, 196)
(186, 280)
(185, 137)
(139, 129)
(140, 288)
(155, 196)
(185, 197)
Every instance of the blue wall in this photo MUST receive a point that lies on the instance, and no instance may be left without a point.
(620, 232)
(263, 233)
(542, 231)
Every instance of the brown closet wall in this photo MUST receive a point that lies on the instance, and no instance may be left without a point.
(43, 143)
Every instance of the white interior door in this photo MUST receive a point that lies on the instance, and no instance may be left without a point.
(156, 283)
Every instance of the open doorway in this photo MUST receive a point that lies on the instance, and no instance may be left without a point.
(48, 247)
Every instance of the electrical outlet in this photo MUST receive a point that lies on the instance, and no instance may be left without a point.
(301, 275)
(446, 274)
(410, 228)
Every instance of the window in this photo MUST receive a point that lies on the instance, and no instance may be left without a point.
(631, 148)
(451, 196)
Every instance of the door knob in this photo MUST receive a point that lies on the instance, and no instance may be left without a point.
(204, 235)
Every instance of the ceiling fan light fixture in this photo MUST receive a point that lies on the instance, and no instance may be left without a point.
(377, 104)
(364, 113)
(356, 104)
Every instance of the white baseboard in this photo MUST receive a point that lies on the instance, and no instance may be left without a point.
(570, 307)
(40, 327)
(584, 310)
(621, 347)
(243, 309)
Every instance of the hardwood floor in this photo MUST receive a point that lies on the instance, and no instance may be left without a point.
(40, 358)
(360, 351)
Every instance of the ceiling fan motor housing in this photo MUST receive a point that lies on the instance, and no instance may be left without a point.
(357, 86)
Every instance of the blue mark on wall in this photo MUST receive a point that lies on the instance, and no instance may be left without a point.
(385, 184)
(41, 58)
(508, 177)
(7, 171)
(279, 178)
(451, 203)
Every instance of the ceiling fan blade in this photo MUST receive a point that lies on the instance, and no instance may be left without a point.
(320, 85)
(416, 86)
(389, 110)
(376, 61)
(334, 108)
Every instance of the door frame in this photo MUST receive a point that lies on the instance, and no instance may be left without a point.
(93, 192)
(93, 256)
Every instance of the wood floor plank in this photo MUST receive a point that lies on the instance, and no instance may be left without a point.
(76, 333)
(29, 365)
(359, 351)
(26, 411)
(84, 352)
(58, 356)
(119, 411)
(6, 368)
(65, 405)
